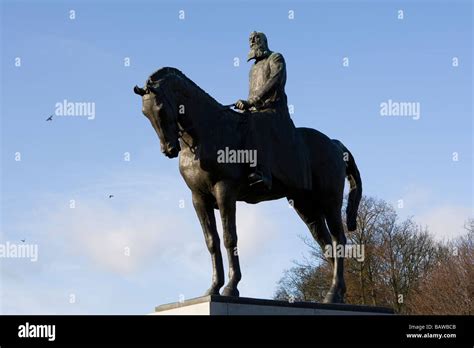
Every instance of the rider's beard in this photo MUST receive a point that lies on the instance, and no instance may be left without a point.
(256, 53)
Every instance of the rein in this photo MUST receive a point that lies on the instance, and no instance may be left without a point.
(181, 129)
(181, 132)
(160, 92)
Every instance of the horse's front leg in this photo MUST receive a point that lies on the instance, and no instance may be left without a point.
(205, 211)
(226, 200)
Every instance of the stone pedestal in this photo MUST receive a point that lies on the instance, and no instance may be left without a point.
(222, 305)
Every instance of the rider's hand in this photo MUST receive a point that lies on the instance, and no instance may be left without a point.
(242, 104)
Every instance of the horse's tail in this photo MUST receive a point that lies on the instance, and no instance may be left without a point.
(355, 193)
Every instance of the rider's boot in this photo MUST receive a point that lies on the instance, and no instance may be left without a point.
(259, 177)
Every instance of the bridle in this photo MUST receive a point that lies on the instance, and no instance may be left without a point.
(162, 95)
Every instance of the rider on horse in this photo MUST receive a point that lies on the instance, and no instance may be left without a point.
(271, 130)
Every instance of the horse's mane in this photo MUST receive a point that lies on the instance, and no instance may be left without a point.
(215, 119)
(165, 71)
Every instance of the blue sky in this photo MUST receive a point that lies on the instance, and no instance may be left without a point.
(73, 158)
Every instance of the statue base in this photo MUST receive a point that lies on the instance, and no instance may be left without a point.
(223, 305)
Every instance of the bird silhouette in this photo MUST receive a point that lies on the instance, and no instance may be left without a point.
(50, 118)
(23, 240)
(110, 196)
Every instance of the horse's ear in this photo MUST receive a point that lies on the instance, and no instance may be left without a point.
(139, 91)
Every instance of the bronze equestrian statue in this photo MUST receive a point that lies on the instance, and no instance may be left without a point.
(300, 164)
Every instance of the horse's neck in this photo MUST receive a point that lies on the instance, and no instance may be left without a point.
(202, 119)
(206, 123)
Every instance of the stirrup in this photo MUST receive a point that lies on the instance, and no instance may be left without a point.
(255, 178)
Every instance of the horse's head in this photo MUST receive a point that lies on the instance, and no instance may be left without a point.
(158, 105)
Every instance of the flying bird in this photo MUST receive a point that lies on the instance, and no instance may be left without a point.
(23, 240)
(110, 196)
(50, 118)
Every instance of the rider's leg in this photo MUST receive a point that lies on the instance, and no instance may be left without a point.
(260, 171)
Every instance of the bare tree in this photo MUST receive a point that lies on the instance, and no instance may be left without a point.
(400, 265)
(449, 287)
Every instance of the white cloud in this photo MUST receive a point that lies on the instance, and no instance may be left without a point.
(254, 229)
(113, 240)
(445, 222)
(84, 247)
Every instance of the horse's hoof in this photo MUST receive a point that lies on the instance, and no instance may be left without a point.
(330, 298)
(335, 294)
(212, 291)
(230, 292)
(333, 297)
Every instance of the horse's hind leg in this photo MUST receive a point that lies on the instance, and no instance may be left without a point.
(338, 287)
(314, 219)
(205, 211)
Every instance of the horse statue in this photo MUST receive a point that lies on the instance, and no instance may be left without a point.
(191, 123)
